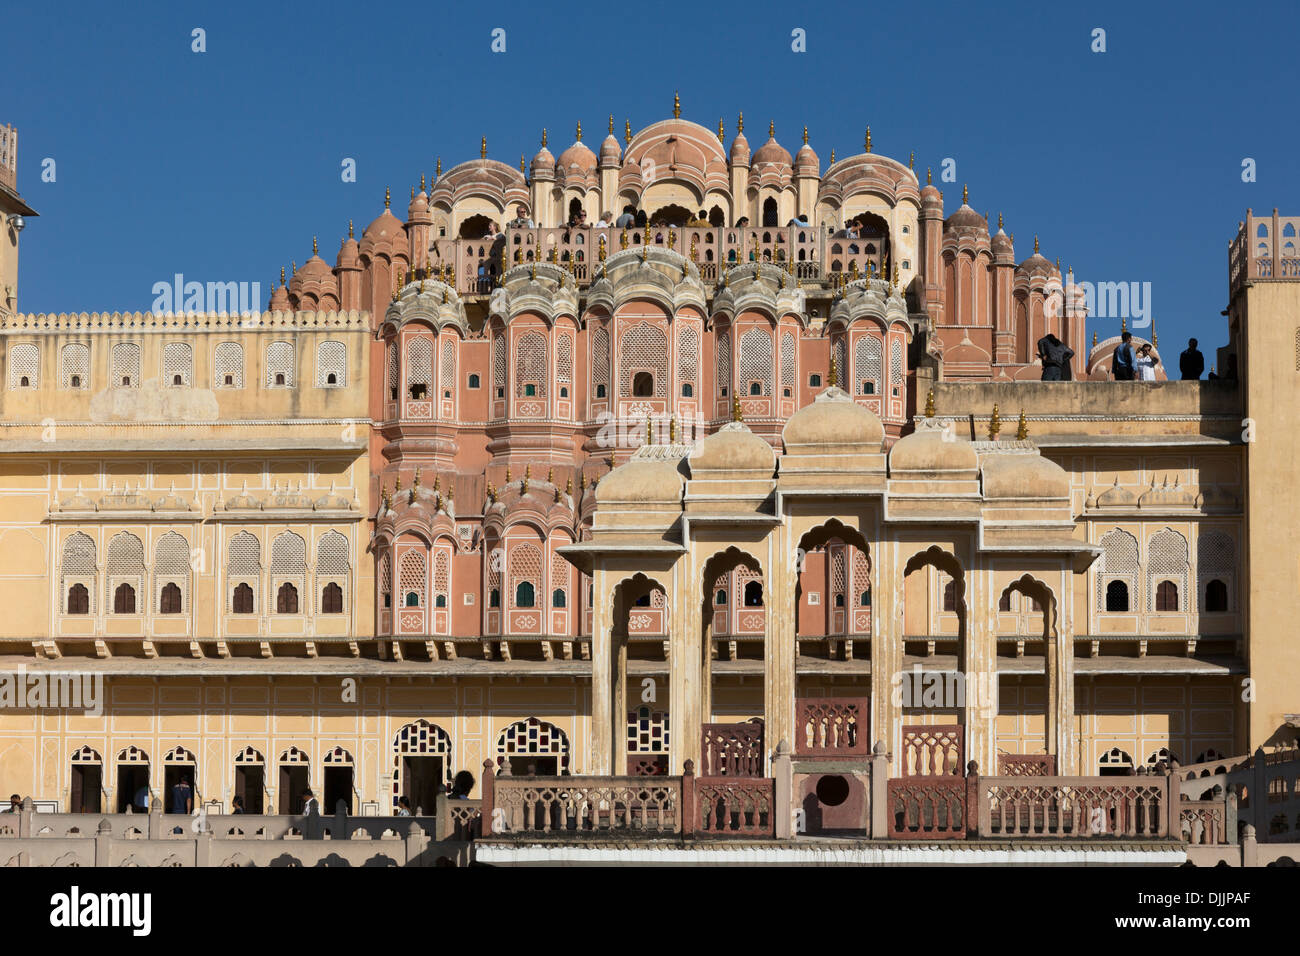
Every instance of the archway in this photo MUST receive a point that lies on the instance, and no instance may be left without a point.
(421, 753)
(1027, 734)
(934, 694)
(475, 227)
(732, 679)
(833, 593)
(637, 633)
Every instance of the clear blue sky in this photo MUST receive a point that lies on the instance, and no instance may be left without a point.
(223, 165)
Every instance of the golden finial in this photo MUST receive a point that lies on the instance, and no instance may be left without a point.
(722, 131)
(582, 481)
(523, 167)
(349, 228)
(736, 415)
(421, 182)
(853, 269)
(528, 474)
(740, 123)
(281, 275)
(834, 376)
(1035, 244)
(649, 431)
(314, 248)
(622, 239)
(1022, 427)
(437, 171)
(293, 267)
(388, 197)
(995, 425)
(832, 155)
(867, 144)
(677, 106)
(398, 485)
(611, 124)
(507, 474)
(543, 137)
(579, 131)
(1155, 337)
(672, 238)
(627, 131)
(965, 194)
(999, 222)
(771, 129)
(568, 486)
(695, 253)
(602, 248)
(482, 148)
(1123, 324)
(1094, 338)
(451, 492)
(444, 295)
(532, 269)
(805, 135)
(672, 430)
(645, 249)
(929, 404)
(412, 194)
(782, 278)
(911, 160)
(895, 275)
(552, 254)
(415, 484)
(929, 177)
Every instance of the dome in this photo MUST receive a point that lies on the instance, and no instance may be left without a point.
(417, 210)
(966, 220)
(733, 448)
(806, 160)
(386, 229)
(543, 166)
(772, 152)
(928, 450)
(833, 419)
(348, 255)
(577, 158)
(642, 481)
(279, 300)
(740, 150)
(610, 151)
(1036, 264)
(1002, 243)
(1024, 476)
(314, 268)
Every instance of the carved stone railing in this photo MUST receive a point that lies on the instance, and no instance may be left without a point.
(927, 808)
(1208, 822)
(734, 806)
(932, 750)
(1074, 807)
(646, 806)
(732, 750)
(1027, 765)
(831, 727)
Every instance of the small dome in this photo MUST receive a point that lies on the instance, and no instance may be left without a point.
(279, 300)
(610, 151)
(543, 166)
(1024, 476)
(734, 447)
(930, 449)
(806, 161)
(636, 481)
(833, 419)
(740, 150)
(930, 194)
(349, 256)
(1001, 243)
(314, 268)
(418, 208)
(1037, 264)
(577, 158)
(385, 228)
(966, 220)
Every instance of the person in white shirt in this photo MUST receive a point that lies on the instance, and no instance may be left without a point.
(1146, 363)
(522, 219)
(605, 221)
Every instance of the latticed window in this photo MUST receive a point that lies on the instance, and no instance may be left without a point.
(178, 364)
(561, 574)
(78, 561)
(861, 579)
(895, 361)
(125, 560)
(1118, 565)
(386, 580)
(499, 363)
(1167, 561)
(600, 356)
(244, 555)
(530, 365)
(564, 360)
(756, 361)
(76, 366)
(24, 366)
(688, 354)
(441, 577)
(411, 577)
(842, 362)
(332, 554)
(525, 574)
(279, 365)
(723, 364)
(286, 599)
(171, 568)
(647, 731)
(788, 360)
(447, 368)
(288, 554)
(867, 361)
(331, 599)
(419, 367)
(331, 364)
(394, 372)
(839, 575)
(1216, 568)
(124, 361)
(228, 365)
(544, 746)
(643, 349)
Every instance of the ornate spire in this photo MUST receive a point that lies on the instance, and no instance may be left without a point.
(833, 377)
(437, 171)
(281, 275)
(965, 194)
(740, 124)
(999, 221)
(911, 160)
(832, 155)
(1094, 338)
(995, 425)
(1035, 244)
(677, 106)
(482, 148)
(771, 129)
(388, 198)
(611, 124)
(736, 415)
(929, 177)
(349, 228)
(315, 249)
(627, 131)
(579, 131)
(722, 131)
(867, 144)
(1022, 427)
(523, 167)
(805, 135)
(543, 137)
(929, 404)
(421, 182)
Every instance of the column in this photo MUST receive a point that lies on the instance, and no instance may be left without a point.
(1061, 703)
(981, 665)
(602, 676)
(886, 645)
(688, 668)
(779, 682)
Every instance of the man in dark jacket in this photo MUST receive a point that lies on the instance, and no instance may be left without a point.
(1123, 362)
(1055, 356)
(1191, 363)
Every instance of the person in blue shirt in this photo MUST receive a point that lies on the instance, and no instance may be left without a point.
(1123, 363)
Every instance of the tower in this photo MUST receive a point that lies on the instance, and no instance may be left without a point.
(13, 213)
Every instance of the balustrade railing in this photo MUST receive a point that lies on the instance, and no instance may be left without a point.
(831, 727)
(1073, 807)
(1027, 765)
(927, 808)
(731, 806)
(588, 805)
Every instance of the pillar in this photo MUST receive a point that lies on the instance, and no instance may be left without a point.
(779, 680)
(602, 677)
(981, 664)
(1060, 659)
(688, 668)
(886, 643)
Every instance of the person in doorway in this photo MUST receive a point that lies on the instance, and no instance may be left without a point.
(182, 797)
(237, 804)
(141, 801)
(1123, 361)
(461, 786)
(1191, 363)
(403, 807)
(310, 805)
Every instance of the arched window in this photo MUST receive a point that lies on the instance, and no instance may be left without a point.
(494, 599)
(950, 596)
(643, 384)
(1118, 564)
(124, 599)
(242, 600)
(474, 381)
(78, 599)
(524, 594)
(331, 364)
(279, 365)
(865, 600)
(1216, 597)
(814, 381)
(228, 362)
(558, 598)
(412, 599)
(754, 594)
(688, 390)
(178, 363)
(720, 598)
(769, 212)
(755, 388)
(440, 600)
(125, 361)
(839, 600)
(1166, 596)
(286, 599)
(169, 599)
(76, 366)
(331, 599)
(1004, 602)
(1117, 596)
